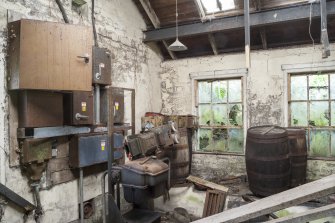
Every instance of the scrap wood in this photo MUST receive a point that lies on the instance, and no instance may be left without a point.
(295, 196)
(207, 184)
(251, 199)
(310, 215)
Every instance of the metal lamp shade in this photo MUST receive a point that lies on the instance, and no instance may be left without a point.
(177, 46)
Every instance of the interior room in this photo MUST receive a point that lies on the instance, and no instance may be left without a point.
(171, 111)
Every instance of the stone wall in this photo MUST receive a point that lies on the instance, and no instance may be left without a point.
(134, 65)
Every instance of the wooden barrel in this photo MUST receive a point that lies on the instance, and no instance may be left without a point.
(298, 155)
(180, 161)
(267, 160)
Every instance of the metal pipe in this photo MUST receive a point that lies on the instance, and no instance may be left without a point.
(103, 196)
(81, 195)
(118, 200)
(97, 103)
(169, 171)
(38, 211)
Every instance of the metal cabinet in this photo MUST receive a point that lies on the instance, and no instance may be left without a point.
(78, 108)
(40, 109)
(101, 66)
(49, 56)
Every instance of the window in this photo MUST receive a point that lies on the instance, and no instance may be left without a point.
(213, 6)
(220, 111)
(312, 106)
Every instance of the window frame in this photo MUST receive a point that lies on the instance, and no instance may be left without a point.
(228, 126)
(310, 128)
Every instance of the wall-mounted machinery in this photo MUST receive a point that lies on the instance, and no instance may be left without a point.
(78, 108)
(101, 66)
(40, 109)
(49, 56)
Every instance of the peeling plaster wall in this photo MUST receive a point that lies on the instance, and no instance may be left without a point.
(266, 103)
(134, 65)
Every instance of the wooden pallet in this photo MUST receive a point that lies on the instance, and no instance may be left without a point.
(214, 202)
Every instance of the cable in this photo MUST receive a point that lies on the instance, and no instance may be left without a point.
(62, 10)
(93, 25)
(310, 23)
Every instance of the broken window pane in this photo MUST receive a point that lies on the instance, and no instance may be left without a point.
(235, 115)
(205, 138)
(332, 86)
(205, 115)
(318, 87)
(220, 140)
(204, 92)
(234, 91)
(333, 144)
(219, 91)
(299, 88)
(235, 140)
(333, 113)
(319, 113)
(319, 143)
(299, 114)
(220, 115)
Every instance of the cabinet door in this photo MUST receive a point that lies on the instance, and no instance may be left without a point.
(50, 56)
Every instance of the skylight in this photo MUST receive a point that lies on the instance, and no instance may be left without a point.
(213, 6)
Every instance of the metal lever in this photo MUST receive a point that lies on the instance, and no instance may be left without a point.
(79, 116)
(98, 75)
(86, 58)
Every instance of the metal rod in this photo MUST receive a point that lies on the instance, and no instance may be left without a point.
(118, 199)
(93, 26)
(97, 103)
(81, 195)
(103, 196)
(110, 154)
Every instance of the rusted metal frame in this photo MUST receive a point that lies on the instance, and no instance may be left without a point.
(16, 199)
(155, 22)
(213, 43)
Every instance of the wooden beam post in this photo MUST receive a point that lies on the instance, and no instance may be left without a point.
(213, 44)
(247, 32)
(155, 22)
(264, 40)
(324, 32)
(200, 9)
(295, 196)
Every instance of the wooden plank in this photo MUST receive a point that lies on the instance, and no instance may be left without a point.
(214, 202)
(247, 32)
(206, 183)
(295, 196)
(310, 215)
(14, 150)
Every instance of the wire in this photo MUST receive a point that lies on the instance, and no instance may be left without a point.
(62, 10)
(93, 26)
(310, 23)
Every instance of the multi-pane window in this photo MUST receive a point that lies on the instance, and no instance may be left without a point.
(312, 106)
(220, 111)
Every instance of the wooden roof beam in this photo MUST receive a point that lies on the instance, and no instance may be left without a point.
(155, 22)
(213, 43)
(263, 18)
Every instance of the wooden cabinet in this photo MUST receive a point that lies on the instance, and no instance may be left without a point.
(49, 56)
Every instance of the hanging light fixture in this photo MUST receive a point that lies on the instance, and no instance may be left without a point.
(177, 45)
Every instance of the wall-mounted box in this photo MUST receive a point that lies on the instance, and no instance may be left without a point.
(36, 150)
(78, 108)
(91, 149)
(40, 109)
(101, 66)
(49, 56)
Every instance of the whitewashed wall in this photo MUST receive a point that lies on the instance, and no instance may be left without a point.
(265, 98)
(134, 65)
